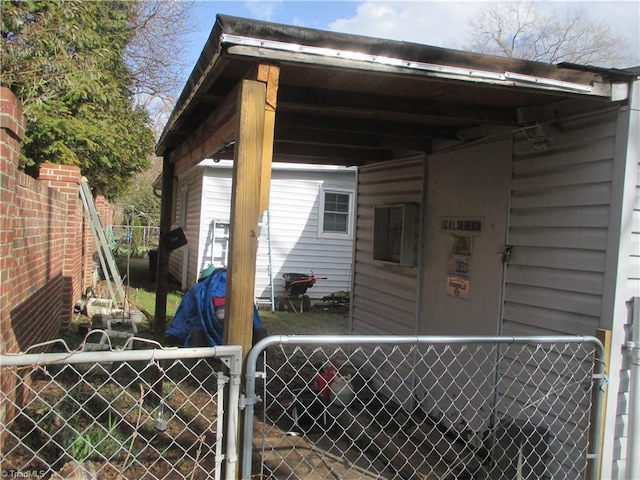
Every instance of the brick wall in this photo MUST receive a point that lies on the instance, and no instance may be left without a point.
(46, 249)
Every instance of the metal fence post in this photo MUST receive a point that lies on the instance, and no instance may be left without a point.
(235, 375)
(633, 440)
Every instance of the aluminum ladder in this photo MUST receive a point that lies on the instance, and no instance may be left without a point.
(107, 262)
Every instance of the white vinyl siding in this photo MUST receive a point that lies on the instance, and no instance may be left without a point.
(384, 298)
(216, 205)
(294, 221)
(294, 209)
(558, 227)
(188, 218)
(624, 263)
(560, 211)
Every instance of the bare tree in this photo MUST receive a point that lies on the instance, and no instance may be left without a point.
(522, 29)
(156, 53)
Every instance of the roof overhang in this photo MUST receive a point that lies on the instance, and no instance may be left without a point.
(351, 100)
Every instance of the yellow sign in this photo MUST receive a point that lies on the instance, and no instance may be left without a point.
(457, 286)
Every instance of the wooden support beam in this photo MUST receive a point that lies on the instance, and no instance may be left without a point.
(245, 204)
(212, 135)
(270, 76)
(162, 270)
(245, 210)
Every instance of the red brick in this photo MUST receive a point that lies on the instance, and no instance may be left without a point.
(45, 245)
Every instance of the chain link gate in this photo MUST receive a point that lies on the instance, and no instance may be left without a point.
(153, 413)
(421, 408)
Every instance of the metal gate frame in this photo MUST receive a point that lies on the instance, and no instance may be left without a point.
(251, 374)
(231, 356)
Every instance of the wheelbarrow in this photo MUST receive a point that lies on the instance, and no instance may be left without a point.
(295, 288)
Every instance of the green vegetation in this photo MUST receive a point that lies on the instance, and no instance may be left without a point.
(315, 322)
(95, 442)
(66, 62)
(146, 300)
(142, 288)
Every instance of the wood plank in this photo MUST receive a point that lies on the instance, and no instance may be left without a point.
(162, 277)
(605, 337)
(244, 231)
(217, 131)
(410, 108)
(245, 202)
(372, 126)
(270, 75)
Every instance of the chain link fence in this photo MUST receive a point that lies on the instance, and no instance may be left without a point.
(134, 411)
(132, 239)
(315, 407)
(422, 408)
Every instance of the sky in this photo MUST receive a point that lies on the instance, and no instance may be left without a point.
(431, 22)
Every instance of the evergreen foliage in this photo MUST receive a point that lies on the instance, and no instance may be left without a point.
(65, 59)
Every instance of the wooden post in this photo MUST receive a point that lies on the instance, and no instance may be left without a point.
(245, 210)
(243, 231)
(162, 273)
(162, 270)
(605, 338)
(270, 75)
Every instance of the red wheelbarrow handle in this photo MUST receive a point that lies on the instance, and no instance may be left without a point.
(307, 280)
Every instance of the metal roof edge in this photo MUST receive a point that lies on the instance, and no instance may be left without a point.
(261, 48)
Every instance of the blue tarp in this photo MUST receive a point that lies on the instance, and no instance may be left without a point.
(196, 311)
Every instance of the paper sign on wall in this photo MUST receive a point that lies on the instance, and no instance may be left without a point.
(459, 267)
(457, 286)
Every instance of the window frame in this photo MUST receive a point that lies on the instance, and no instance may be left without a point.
(394, 246)
(321, 211)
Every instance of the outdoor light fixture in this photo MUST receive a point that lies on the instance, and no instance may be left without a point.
(540, 135)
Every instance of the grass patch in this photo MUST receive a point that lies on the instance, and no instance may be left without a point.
(136, 275)
(314, 322)
(142, 293)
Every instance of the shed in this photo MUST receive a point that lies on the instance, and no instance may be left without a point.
(308, 228)
(495, 196)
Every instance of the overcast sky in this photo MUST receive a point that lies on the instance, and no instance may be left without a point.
(439, 23)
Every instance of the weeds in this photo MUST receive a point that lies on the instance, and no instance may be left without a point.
(92, 443)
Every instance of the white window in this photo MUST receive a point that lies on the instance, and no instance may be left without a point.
(335, 213)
